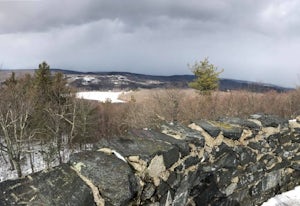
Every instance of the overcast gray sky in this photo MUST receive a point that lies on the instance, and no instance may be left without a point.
(256, 40)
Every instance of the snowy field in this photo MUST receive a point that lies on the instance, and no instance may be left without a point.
(101, 96)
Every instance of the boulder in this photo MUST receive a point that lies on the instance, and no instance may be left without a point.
(231, 132)
(113, 177)
(240, 122)
(208, 192)
(145, 148)
(156, 167)
(179, 131)
(214, 128)
(170, 157)
(191, 161)
(210, 128)
(148, 192)
(182, 193)
(163, 189)
(227, 160)
(146, 144)
(159, 137)
(270, 120)
(255, 145)
(58, 186)
(174, 180)
(245, 155)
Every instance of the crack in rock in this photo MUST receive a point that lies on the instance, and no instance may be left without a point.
(96, 194)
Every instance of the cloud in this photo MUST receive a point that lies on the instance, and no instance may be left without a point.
(19, 16)
(250, 39)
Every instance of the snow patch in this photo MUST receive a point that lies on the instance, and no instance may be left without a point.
(88, 78)
(38, 159)
(118, 155)
(100, 96)
(290, 198)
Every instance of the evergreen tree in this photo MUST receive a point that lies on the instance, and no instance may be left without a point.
(59, 91)
(207, 77)
(42, 83)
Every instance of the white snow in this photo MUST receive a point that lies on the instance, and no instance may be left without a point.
(118, 155)
(88, 78)
(38, 162)
(100, 96)
(290, 198)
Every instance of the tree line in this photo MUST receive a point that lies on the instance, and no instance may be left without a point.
(41, 109)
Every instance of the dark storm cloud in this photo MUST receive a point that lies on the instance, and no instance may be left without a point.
(40, 15)
(250, 39)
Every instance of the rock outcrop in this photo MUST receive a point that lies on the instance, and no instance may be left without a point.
(228, 162)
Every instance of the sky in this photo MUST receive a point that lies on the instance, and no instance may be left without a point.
(255, 40)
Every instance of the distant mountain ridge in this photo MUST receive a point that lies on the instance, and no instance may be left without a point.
(128, 81)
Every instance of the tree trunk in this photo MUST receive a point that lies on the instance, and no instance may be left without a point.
(31, 162)
(30, 158)
(17, 165)
(58, 147)
(3, 157)
(59, 156)
(11, 162)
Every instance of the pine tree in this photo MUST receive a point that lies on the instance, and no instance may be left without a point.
(43, 83)
(207, 77)
(60, 92)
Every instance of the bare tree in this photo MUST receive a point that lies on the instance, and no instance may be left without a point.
(168, 103)
(82, 121)
(15, 113)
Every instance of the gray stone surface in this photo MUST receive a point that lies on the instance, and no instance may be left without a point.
(270, 120)
(184, 133)
(182, 193)
(145, 144)
(241, 122)
(59, 186)
(159, 138)
(113, 177)
(232, 132)
(210, 128)
(171, 157)
(146, 148)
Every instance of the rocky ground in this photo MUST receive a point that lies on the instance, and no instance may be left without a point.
(227, 162)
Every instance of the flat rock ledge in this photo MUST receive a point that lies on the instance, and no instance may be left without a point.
(229, 162)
